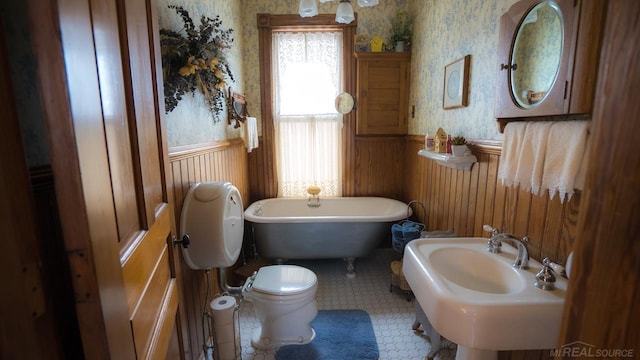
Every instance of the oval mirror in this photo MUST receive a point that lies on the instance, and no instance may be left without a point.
(536, 55)
(239, 108)
(344, 103)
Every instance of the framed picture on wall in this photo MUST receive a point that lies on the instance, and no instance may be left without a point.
(456, 84)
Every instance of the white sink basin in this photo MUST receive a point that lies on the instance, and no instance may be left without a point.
(461, 266)
(478, 300)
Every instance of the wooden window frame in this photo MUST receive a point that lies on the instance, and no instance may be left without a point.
(267, 25)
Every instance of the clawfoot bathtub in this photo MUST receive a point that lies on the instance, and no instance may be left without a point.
(341, 227)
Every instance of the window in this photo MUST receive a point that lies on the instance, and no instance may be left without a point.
(264, 177)
(307, 77)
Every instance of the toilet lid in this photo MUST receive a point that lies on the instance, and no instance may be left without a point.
(284, 279)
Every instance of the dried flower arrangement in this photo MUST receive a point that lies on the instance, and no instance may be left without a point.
(196, 60)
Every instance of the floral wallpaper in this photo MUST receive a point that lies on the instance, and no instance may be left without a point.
(444, 32)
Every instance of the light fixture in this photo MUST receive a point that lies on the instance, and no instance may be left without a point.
(308, 8)
(344, 14)
(367, 3)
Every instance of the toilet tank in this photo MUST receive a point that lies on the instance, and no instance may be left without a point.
(213, 218)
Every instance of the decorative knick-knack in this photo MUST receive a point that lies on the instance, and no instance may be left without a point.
(440, 140)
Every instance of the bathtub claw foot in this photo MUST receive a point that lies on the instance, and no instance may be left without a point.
(351, 267)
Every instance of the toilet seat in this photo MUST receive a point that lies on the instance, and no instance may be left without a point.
(283, 280)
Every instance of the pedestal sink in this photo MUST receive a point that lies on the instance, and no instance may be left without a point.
(479, 301)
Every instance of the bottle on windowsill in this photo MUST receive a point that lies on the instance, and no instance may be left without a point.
(448, 144)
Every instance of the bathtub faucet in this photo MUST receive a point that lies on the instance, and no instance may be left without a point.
(314, 199)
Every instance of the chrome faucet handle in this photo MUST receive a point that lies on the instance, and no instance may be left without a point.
(557, 268)
(491, 229)
(522, 260)
(545, 279)
(493, 245)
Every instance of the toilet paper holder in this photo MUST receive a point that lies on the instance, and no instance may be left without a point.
(225, 328)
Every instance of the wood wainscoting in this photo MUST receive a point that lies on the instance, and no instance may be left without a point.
(379, 166)
(220, 161)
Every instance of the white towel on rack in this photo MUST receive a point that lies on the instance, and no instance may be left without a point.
(250, 133)
(531, 157)
(565, 153)
(511, 146)
(582, 172)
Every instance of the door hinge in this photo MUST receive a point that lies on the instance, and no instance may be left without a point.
(32, 281)
(566, 88)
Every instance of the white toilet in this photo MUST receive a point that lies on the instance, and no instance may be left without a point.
(283, 295)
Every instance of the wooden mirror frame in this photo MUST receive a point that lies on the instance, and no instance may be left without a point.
(236, 108)
(573, 92)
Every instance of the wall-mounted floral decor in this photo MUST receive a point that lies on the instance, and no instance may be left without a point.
(193, 59)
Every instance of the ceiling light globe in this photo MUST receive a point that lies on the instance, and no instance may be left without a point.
(345, 15)
(308, 8)
(367, 3)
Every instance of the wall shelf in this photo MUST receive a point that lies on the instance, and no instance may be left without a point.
(456, 162)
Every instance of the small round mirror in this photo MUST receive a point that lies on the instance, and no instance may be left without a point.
(239, 108)
(344, 103)
(537, 51)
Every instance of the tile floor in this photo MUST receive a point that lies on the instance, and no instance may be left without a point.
(391, 314)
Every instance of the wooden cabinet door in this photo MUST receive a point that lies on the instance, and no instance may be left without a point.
(556, 101)
(109, 156)
(382, 93)
(573, 89)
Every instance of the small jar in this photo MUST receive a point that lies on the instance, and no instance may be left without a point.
(429, 143)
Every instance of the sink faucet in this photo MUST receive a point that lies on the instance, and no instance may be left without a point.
(494, 245)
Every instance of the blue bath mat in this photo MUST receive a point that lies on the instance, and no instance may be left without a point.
(340, 335)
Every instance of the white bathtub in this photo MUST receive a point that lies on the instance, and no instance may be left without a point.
(341, 227)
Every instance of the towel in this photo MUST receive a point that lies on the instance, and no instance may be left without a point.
(545, 155)
(565, 152)
(582, 173)
(511, 146)
(404, 232)
(250, 133)
(531, 157)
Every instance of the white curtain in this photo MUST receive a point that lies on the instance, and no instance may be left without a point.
(307, 68)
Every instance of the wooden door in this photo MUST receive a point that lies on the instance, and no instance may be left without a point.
(601, 312)
(100, 89)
